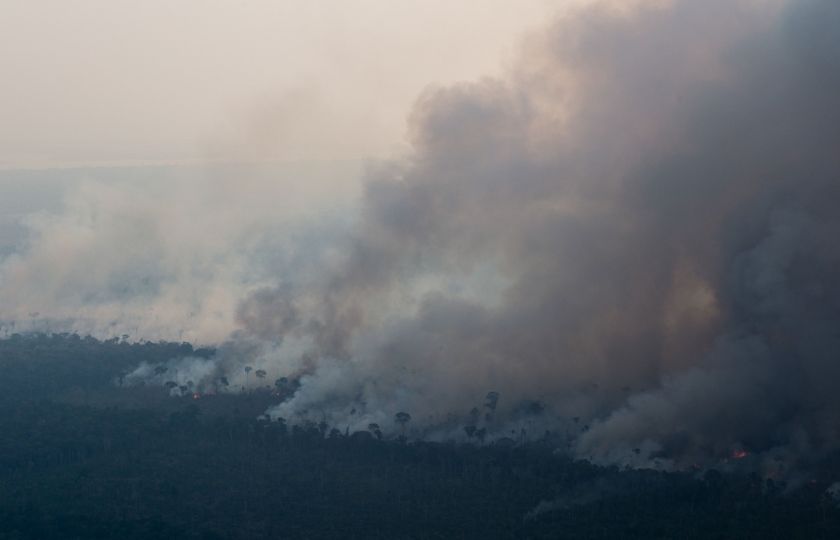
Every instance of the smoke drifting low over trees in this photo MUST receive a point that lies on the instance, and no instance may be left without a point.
(635, 229)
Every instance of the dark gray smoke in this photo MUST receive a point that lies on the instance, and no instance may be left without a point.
(632, 238)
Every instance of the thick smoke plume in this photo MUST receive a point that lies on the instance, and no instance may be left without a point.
(632, 238)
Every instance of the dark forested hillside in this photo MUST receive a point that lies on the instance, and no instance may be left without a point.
(81, 457)
(37, 366)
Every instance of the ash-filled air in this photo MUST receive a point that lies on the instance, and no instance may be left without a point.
(633, 238)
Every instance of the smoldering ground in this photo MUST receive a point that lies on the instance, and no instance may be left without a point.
(633, 231)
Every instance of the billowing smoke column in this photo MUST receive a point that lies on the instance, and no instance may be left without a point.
(633, 237)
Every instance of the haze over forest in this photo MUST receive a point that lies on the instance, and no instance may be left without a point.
(608, 223)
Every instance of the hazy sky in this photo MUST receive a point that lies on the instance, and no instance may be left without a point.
(318, 86)
(116, 81)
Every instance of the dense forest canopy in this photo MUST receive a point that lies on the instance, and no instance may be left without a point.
(82, 457)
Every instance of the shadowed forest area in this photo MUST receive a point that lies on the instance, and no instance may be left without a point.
(81, 457)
